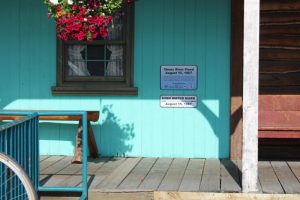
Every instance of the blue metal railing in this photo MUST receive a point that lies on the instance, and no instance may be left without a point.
(84, 188)
(19, 140)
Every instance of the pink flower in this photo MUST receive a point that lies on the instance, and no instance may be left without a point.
(103, 32)
(74, 7)
(92, 28)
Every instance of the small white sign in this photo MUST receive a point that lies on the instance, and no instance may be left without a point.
(178, 101)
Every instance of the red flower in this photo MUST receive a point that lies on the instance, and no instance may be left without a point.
(95, 34)
(91, 20)
(81, 35)
(58, 8)
(74, 7)
(103, 32)
(92, 28)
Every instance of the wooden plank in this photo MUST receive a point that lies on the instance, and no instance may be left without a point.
(282, 120)
(279, 54)
(134, 179)
(286, 177)
(119, 174)
(43, 158)
(289, 78)
(288, 134)
(275, 18)
(236, 80)
(211, 176)
(121, 196)
(268, 179)
(278, 5)
(295, 167)
(281, 66)
(280, 41)
(95, 164)
(279, 102)
(55, 180)
(280, 30)
(173, 178)
(221, 196)
(58, 166)
(92, 116)
(49, 162)
(192, 176)
(71, 169)
(156, 174)
(107, 168)
(230, 180)
(74, 181)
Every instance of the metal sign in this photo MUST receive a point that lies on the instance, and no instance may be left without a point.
(174, 77)
(178, 101)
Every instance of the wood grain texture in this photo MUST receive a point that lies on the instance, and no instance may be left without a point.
(173, 178)
(156, 174)
(138, 174)
(236, 74)
(192, 176)
(49, 162)
(295, 167)
(279, 45)
(286, 177)
(92, 116)
(230, 180)
(211, 176)
(114, 179)
(220, 196)
(58, 166)
(277, 5)
(268, 179)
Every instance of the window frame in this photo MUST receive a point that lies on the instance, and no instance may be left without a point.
(98, 85)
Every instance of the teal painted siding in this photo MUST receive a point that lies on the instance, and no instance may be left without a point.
(192, 32)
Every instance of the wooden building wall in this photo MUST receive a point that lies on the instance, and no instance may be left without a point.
(280, 47)
(280, 69)
(193, 32)
(279, 77)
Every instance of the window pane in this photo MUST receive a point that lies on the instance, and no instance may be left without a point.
(96, 52)
(95, 60)
(96, 68)
(116, 30)
(115, 61)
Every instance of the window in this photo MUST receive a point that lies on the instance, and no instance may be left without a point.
(99, 67)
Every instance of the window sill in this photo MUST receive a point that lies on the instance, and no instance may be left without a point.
(115, 91)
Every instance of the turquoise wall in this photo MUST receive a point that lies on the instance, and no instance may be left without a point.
(195, 32)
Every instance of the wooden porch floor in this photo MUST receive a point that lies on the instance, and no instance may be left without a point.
(169, 174)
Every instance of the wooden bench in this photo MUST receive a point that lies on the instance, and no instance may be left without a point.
(279, 116)
(92, 116)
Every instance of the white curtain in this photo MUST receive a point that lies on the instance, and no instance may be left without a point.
(115, 66)
(77, 65)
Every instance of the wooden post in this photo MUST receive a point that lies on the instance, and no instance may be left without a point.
(250, 95)
(91, 143)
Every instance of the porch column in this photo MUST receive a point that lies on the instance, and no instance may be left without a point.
(250, 95)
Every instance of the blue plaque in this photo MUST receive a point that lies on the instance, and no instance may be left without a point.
(173, 77)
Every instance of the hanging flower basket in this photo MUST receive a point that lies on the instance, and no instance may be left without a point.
(82, 19)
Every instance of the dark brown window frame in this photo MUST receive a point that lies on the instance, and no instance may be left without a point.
(108, 86)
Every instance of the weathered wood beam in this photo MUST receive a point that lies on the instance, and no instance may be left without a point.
(250, 95)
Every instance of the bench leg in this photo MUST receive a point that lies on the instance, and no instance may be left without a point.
(91, 144)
